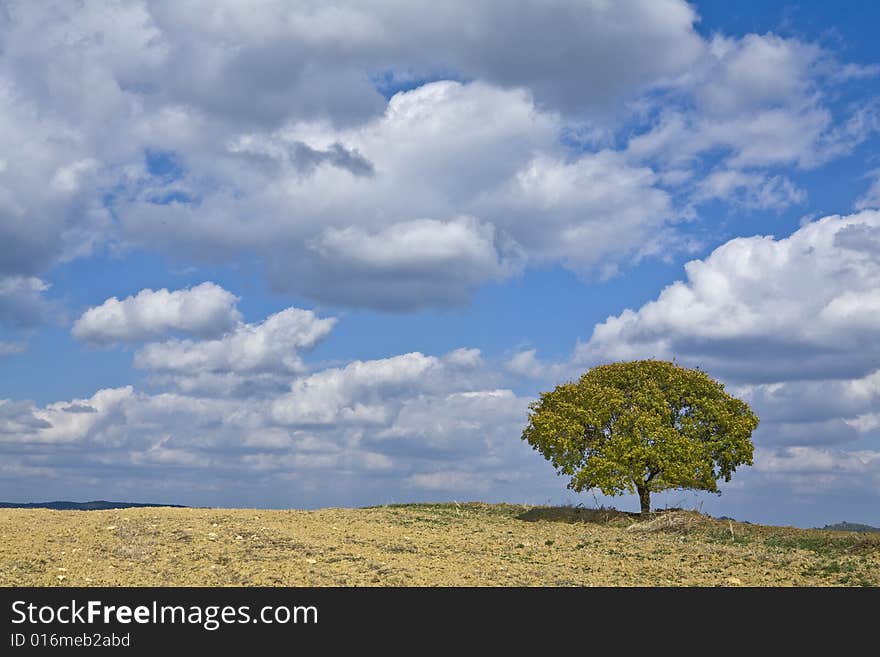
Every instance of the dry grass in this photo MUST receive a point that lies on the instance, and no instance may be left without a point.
(421, 545)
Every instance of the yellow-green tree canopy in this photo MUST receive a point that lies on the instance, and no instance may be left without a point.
(642, 427)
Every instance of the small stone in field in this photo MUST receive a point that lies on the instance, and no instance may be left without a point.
(62, 577)
(238, 537)
(212, 536)
(311, 560)
(734, 581)
(62, 570)
(111, 527)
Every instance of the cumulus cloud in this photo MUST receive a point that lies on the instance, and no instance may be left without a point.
(203, 310)
(314, 61)
(764, 309)
(308, 155)
(18, 418)
(245, 408)
(372, 427)
(272, 345)
(407, 265)
(359, 391)
(820, 460)
(49, 209)
(807, 401)
(759, 101)
(817, 482)
(470, 424)
(158, 76)
(594, 207)
(527, 364)
(425, 229)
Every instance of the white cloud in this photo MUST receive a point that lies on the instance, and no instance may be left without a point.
(303, 225)
(329, 52)
(358, 391)
(759, 101)
(755, 71)
(751, 190)
(441, 420)
(18, 418)
(380, 427)
(865, 422)
(410, 264)
(526, 364)
(454, 201)
(271, 346)
(584, 212)
(411, 245)
(307, 157)
(819, 460)
(40, 223)
(816, 484)
(204, 310)
(808, 401)
(80, 419)
(764, 309)
(449, 480)
(158, 76)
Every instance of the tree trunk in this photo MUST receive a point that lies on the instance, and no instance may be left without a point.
(644, 499)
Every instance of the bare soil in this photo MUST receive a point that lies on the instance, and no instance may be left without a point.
(421, 545)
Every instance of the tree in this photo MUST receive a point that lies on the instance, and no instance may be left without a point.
(642, 427)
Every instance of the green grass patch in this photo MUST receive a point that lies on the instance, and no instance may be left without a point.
(824, 544)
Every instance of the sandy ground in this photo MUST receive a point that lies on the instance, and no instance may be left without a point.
(420, 545)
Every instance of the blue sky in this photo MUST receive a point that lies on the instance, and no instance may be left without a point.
(295, 256)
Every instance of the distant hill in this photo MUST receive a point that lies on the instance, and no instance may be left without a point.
(851, 527)
(96, 505)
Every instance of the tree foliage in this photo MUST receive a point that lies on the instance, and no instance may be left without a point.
(642, 427)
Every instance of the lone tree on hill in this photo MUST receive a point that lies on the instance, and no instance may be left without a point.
(642, 427)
